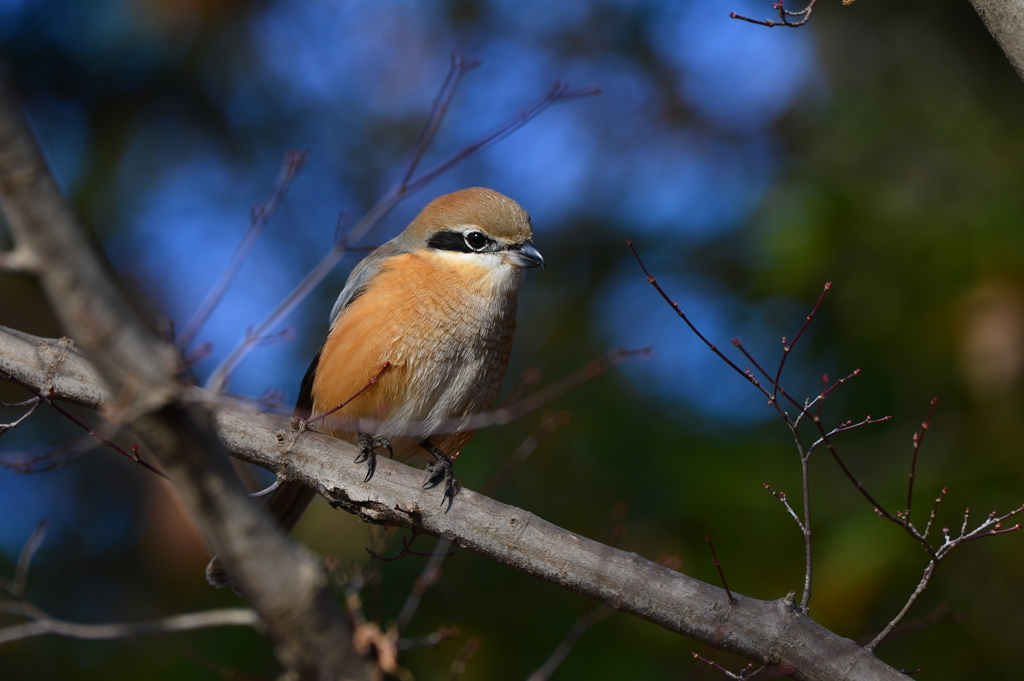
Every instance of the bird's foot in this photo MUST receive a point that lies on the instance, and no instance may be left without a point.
(441, 470)
(368, 447)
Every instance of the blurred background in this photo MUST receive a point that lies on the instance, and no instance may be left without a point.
(880, 147)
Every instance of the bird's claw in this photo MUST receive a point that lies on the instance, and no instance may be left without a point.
(442, 470)
(368, 447)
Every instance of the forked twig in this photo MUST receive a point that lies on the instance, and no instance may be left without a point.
(48, 398)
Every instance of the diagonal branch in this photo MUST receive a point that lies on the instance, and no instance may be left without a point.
(768, 632)
(1005, 22)
(285, 586)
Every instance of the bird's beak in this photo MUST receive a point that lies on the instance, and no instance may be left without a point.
(525, 255)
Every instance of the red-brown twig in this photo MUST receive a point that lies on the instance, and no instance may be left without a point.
(786, 349)
(48, 398)
(501, 415)
(372, 381)
(718, 566)
(294, 160)
(918, 437)
(682, 315)
(784, 15)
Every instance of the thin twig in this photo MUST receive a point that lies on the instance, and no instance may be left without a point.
(918, 437)
(428, 641)
(718, 566)
(935, 510)
(48, 398)
(28, 552)
(34, 404)
(427, 578)
(786, 349)
(43, 624)
(921, 586)
(502, 415)
(781, 496)
(548, 424)
(265, 492)
(294, 160)
(847, 426)
(372, 380)
(784, 14)
(711, 346)
(442, 549)
(561, 652)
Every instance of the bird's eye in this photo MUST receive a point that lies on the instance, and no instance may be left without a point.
(476, 241)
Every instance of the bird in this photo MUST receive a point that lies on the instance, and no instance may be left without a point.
(418, 342)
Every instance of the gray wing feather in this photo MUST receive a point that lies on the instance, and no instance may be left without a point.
(362, 274)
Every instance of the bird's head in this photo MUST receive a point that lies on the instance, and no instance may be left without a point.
(478, 225)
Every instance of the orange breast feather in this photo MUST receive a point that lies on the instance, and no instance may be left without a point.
(447, 332)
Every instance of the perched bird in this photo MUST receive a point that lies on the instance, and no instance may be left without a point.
(438, 304)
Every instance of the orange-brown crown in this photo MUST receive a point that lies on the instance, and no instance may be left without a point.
(498, 216)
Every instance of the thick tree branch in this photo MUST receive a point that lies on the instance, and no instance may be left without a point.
(1005, 21)
(770, 632)
(286, 586)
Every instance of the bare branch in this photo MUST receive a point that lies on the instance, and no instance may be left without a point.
(43, 624)
(764, 631)
(285, 585)
(1005, 22)
(784, 15)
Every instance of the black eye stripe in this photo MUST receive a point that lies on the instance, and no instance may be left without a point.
(460, 243)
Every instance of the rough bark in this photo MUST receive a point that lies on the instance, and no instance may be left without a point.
(287, 587)
(776, 632)
(1005, 21)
